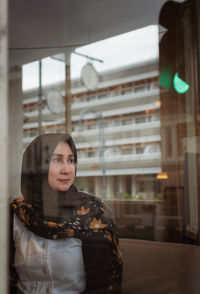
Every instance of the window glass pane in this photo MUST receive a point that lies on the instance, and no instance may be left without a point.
(125, 86)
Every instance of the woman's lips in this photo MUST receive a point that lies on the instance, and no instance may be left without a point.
(64, 180)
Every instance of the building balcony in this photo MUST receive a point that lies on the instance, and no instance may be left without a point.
(120, 141)
(115, 135)
(117, 132)
(119, 172)
(121, 161)
(117, 111)
(100, 104)
(120, 80)
(35, 124)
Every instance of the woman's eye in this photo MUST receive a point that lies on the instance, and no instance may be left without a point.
(71, 160)
(56, 159)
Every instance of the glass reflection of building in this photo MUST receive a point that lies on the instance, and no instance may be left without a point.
(151, 140)
(152, 151)
(128, 100)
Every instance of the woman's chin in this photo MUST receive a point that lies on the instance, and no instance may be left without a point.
(63, 188)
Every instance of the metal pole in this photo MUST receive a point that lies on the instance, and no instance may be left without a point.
(68, 123)
(88, 57)
(101, 144)
(3, 149)
(101, 154)
(40, 99)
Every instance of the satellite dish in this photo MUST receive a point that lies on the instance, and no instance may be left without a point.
(55, 101)
(89, 77)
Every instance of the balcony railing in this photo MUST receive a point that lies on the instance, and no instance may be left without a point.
(96, 101)
(121, 157)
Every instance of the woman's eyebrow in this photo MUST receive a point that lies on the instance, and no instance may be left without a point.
(57, 154)
(61, 155)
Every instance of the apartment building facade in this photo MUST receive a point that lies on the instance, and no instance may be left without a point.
(116, 129)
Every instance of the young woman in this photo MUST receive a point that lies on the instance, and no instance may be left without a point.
(62, 240)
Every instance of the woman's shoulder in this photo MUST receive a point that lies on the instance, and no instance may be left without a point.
(97, 203)
(91, 198)
(13, 200)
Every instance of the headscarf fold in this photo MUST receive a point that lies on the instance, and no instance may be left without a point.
(34, 176)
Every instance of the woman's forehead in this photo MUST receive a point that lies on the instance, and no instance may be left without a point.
(63, 148)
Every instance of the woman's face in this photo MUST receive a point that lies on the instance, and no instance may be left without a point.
(62, 168)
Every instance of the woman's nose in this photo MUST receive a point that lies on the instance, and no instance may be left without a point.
(65, 168)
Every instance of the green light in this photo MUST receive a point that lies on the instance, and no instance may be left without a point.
(165, 77)
(180, 85)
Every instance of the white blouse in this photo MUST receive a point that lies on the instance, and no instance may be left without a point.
(47, 266)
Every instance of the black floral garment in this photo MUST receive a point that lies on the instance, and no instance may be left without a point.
(91, 221)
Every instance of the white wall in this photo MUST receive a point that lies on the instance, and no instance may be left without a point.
(3, 147)
(15, 131)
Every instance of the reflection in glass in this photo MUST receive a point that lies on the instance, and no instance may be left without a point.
(147, 129)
